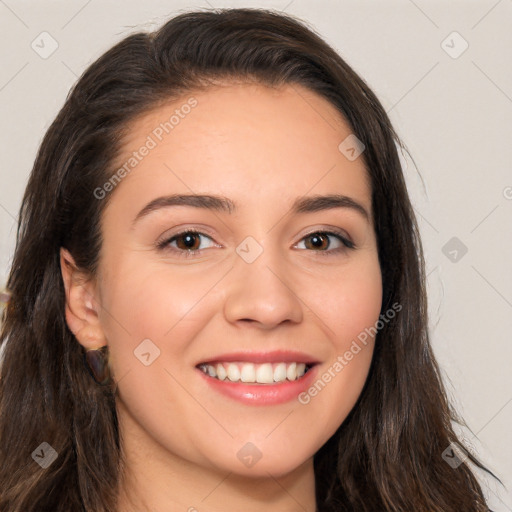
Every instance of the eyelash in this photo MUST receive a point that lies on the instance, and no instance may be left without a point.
(164, 244)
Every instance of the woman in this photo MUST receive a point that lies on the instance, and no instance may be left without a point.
(218, 291)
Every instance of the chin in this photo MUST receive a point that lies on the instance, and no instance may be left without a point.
(269, 463)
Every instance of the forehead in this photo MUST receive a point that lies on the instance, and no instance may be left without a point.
(240, 140)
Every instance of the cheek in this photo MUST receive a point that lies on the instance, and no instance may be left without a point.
(349, 301)
(148, 300)
(350, 312)
(144, 301)
(356, 307)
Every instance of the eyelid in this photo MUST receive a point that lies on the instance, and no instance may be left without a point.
(331, 230)
(200, 230)
(163, 242)
(345, 239)
(346, 243)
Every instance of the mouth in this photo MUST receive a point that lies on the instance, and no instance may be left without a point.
(267, 373)
(259, 378)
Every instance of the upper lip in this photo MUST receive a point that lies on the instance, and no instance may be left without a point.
(274, 356)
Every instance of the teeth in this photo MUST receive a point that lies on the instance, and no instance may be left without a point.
(233, 372)
(248, 373)
(221, 372)
(280, 372)
(266, 373)
(291, 371)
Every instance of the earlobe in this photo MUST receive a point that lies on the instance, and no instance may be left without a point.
(80, 310)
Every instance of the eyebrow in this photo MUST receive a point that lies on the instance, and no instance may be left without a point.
(223, 204)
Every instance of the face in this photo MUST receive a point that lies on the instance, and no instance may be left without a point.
(251, 283)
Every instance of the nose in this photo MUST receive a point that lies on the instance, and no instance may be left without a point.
(262, 293)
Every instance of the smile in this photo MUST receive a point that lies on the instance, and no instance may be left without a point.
(265, 373)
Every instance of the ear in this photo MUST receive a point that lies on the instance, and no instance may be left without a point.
(81, 305)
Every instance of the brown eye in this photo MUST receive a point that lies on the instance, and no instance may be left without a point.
(317, 241)
(185, 243)
(188, 241)
(322, 242)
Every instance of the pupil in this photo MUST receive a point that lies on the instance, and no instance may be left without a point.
(317, 240)
(189, 240)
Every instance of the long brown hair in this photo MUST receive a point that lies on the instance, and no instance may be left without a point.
(386, 456)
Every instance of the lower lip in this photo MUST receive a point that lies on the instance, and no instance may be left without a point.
(262, 394)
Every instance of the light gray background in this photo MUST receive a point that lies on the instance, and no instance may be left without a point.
(454, 114)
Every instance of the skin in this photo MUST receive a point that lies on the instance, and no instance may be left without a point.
(263, 148)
